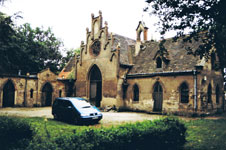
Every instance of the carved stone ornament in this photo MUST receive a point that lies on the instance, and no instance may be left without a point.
(96, 48)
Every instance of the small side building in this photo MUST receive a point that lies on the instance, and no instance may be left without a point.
(30, 90)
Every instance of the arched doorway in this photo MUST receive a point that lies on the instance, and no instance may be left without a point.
(47, 94)
(8, 94)
(158, 97)
(95, 92)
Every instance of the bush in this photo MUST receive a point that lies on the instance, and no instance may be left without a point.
(167, 134)
(14, 133)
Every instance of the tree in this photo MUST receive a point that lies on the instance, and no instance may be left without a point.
(69, 54)
(26, 49)
(7, 34)
(199, 18)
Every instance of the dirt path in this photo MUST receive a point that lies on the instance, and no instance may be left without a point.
(108, 117)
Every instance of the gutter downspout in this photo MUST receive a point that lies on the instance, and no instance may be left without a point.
(195, 89)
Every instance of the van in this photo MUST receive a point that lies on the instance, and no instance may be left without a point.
(76, 110)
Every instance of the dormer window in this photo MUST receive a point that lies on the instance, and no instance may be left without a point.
(158, 62)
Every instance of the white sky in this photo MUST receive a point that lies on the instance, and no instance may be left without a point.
(69, 19)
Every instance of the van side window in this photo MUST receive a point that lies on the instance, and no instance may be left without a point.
(67, 103)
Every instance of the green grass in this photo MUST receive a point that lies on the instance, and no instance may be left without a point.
(205, 134)
(51, 128)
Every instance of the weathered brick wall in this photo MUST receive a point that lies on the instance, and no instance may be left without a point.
(24, 85)
(106, 61)
(170, 86)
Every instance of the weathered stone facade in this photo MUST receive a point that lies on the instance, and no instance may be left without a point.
(30, 90)
(113, 70)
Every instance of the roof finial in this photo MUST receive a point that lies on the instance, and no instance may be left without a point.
(106, 23)
(100, 12)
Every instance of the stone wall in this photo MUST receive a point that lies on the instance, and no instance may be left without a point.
(28, 90)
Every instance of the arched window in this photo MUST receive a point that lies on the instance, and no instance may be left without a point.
(31, 93)
(60, 93)
(213, 60)
(217, 94)
(141, 36)
(135, 93)
(158, 62)
(184, 93)
(209, 93)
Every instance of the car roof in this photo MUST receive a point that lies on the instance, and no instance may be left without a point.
(70, 98)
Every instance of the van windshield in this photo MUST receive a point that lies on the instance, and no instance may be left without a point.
(81, 104)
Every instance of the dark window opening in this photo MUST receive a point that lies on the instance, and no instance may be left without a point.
(209, 94)
(31, 93)
(60, 93)
(184, 93)
(135, 93)
(217, 94)
(159, 62)
(213, 60)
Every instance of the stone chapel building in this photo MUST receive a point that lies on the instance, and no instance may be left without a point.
(113, 70)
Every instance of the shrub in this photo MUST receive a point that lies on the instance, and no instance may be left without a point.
(14, 133)
(167, 134)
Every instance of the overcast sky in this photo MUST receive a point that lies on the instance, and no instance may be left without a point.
(69, 19)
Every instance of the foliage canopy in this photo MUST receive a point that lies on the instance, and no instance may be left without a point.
(194, 17)
(27, 49)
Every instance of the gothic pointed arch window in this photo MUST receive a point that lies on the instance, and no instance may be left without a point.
(209, 94)
(158, 62)
(60, 93)
(217, 94)
(31, 93)
(184, 93)
(135, 92)
(213, 61)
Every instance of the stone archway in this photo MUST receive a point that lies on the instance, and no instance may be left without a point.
(95, 89)
(47, 91)
(158, 97)
(8, 94)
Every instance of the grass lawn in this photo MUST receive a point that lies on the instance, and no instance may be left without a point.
(206, 134)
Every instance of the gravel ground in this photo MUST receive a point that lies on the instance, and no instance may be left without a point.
(108, 117)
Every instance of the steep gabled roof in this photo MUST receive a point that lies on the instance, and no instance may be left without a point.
(124, 45)
(67, 69)
(178, 58)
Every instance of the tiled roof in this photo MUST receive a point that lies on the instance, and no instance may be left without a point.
(124, 44)
(178, 58)
(67, 69)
